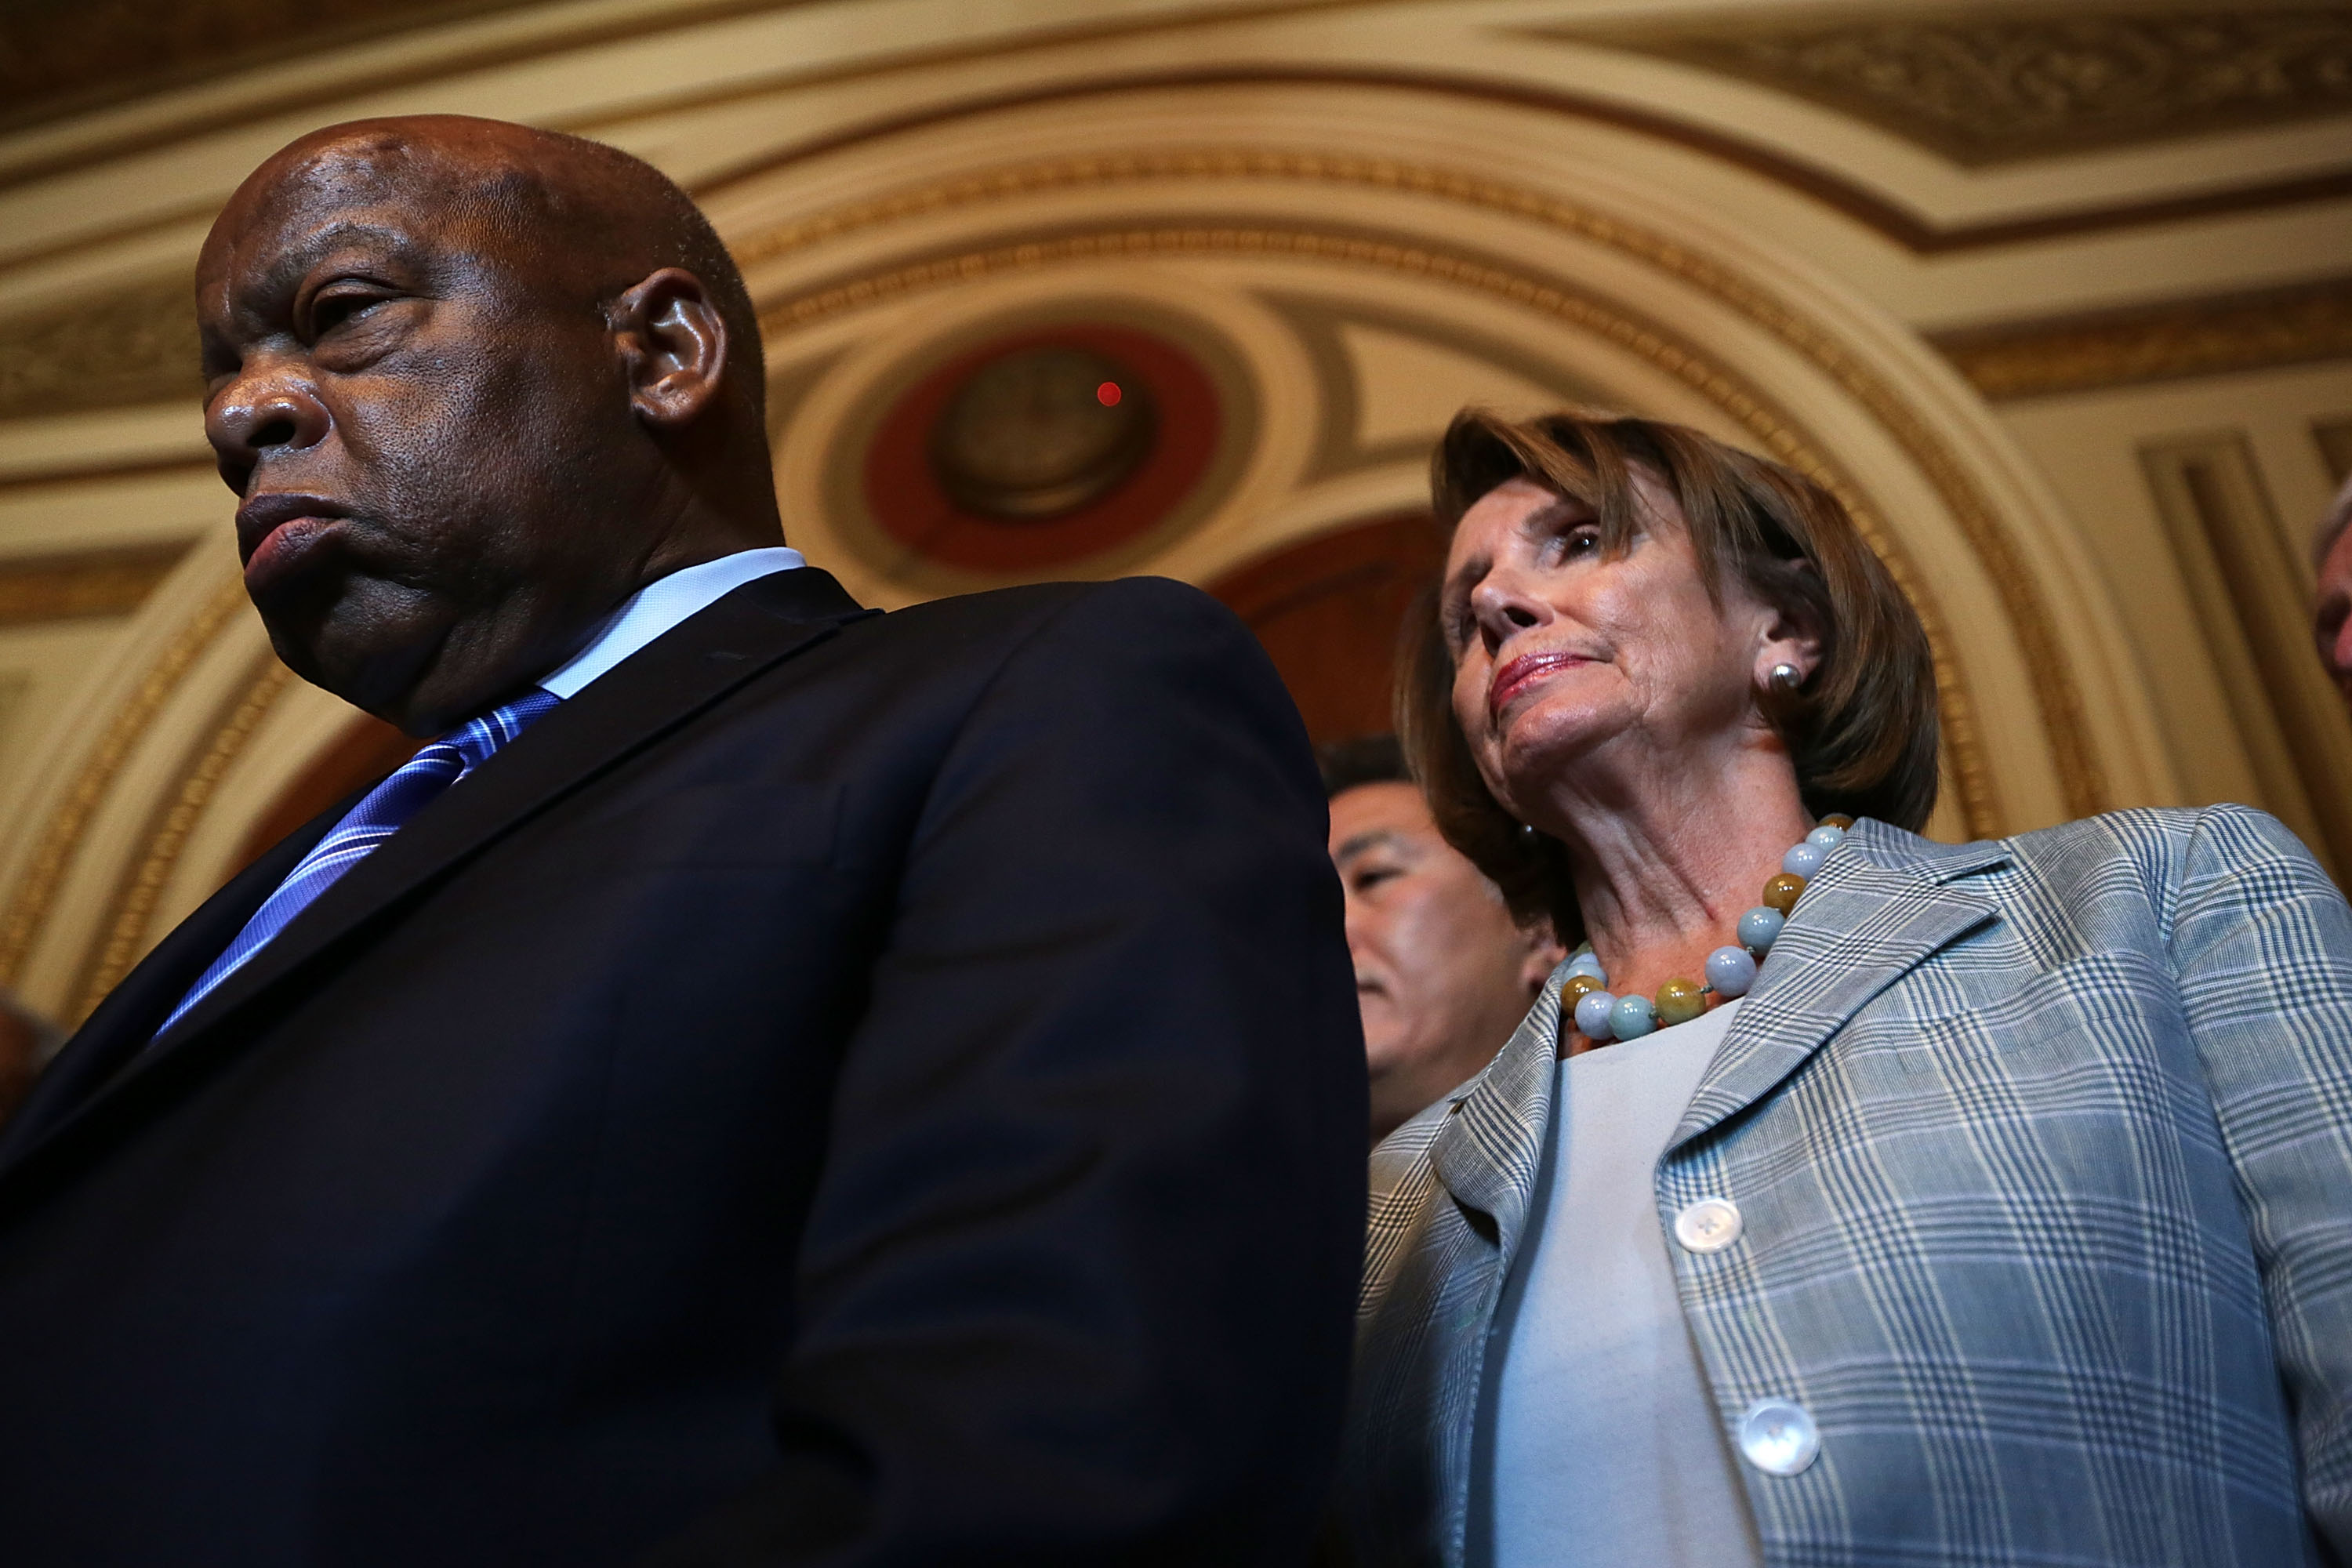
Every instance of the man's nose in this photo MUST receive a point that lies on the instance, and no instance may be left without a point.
(1356, 917)
(269, 410)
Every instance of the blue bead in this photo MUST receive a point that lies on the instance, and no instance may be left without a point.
(1803, 859)
(1826, 835)
(1631, 1018)
(1592, 1014)
(1730, 970)
(1760, 928)
(1587, 963)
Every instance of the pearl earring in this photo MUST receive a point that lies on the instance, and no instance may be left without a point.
(1786, 678)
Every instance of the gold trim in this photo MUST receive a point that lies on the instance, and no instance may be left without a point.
(2224, 531)
(1318, 322)
(1636, 334)
(71, 470)
(2081, 778)
(134, 341)
(466, 58)
(1985, 87)
(132, 908)
(2208, 336)
(37, 889)
(91, 582)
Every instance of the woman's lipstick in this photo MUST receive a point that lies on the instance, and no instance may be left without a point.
(1523, 672)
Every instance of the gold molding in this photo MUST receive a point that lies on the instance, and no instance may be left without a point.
(108, 348)
(1318, 320)
(85, 583)
(2081, 780)
(37, 889)
(1637, 334)
(2333, 437)
(1985, 87)
(335, 87)
(2253, 596)
(131, 910)
(2167, 341)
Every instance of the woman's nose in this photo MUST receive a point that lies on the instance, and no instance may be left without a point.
(264, 413)
(1501, 608)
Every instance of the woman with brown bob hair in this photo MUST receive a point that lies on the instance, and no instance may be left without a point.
(1984, 1204)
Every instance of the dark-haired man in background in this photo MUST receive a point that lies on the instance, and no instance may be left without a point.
(1443, 976)
(774, 1083)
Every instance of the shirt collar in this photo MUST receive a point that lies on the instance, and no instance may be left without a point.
(663, 603)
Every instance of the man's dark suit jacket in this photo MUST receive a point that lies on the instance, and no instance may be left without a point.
(843, 1088)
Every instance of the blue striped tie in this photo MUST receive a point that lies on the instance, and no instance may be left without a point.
(421, 780)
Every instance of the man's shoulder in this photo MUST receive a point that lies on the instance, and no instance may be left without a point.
(1032, 607)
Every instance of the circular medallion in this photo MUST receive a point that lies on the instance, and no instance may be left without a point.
(1040, 432)
(1043, 447)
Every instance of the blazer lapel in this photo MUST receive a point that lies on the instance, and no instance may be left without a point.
(653, 692)
(1491, 1149)
(1878, 909)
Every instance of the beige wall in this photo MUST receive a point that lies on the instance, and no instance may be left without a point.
(2064, 350)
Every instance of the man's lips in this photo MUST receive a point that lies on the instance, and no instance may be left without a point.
(274, 532)
(1523, 672)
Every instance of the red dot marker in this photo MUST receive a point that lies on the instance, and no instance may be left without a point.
(1108, 395)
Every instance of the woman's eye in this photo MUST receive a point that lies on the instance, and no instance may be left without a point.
(1582, 540)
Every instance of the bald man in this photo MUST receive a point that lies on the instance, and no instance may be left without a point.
(773, 1082)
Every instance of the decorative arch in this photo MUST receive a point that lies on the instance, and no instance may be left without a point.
(1345, 263)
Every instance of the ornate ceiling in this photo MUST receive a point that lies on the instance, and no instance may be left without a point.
(63, 56)
(2056, 296)
(1990, 85)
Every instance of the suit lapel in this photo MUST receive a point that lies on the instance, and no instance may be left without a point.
(1879, 908)
(656, 690)
(125, 1021)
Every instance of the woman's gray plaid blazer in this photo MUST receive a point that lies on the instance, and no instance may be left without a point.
(2044, 1149)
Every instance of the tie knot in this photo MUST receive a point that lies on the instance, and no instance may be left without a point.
(477, 738)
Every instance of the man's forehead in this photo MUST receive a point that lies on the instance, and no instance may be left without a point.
(326, 203)
(1380, 811)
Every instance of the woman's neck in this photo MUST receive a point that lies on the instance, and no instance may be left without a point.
(1665, 864)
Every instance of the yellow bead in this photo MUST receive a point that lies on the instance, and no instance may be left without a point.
(1574, 990)
(1837, 819)
(1781, 892)
(1679, 1001)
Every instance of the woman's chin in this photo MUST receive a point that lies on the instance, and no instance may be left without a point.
(1538, 747)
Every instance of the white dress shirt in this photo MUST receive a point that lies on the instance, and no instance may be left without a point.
(663, 603)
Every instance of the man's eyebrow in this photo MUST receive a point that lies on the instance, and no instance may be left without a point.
(320, 243)
(1371, 839)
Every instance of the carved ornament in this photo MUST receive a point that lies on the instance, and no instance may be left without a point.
(2157, 343)
(1992, 87)
(135, 343)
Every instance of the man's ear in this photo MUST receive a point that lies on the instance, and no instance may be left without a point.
(673, 346)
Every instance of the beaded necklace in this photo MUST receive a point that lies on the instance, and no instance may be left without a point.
(1602, 1016)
